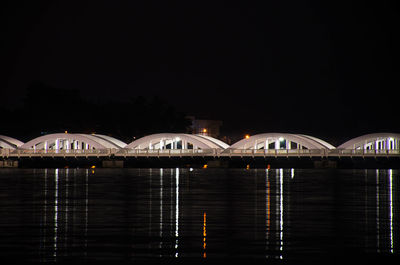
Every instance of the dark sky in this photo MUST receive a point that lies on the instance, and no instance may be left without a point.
(319, 67)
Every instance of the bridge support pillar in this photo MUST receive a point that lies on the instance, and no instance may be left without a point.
(184, 144)
(76, 145)
(277, 144)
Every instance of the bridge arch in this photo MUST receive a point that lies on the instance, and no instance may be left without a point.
(176, 141)
(374, 141)
(9, 142)
(67, 141)
(281, 141)
(112, 140)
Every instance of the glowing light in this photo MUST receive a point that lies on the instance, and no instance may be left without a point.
(161, 206)
(248, 167)
(204, 224)
(204, 234)
(247, 136)
(66, 131)
(205, 166)
(204, 130)
(268, 166)
(281, 139)
(281, 210)
(55, 212)
(191, 169)
(176, 211)
(391, 208)
(93, 166)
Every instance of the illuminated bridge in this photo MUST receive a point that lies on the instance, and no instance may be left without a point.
(269, 147)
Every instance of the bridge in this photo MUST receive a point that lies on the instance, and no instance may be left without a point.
(179, 146)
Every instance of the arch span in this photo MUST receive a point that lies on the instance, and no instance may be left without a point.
(9, 142)
(118, 143)
(59, 141)
(373, 141)
(175, 141)
(281, 141)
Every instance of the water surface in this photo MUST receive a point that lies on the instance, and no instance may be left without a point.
(279, 215)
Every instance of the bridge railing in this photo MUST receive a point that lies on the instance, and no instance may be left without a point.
(363, 152)
(168, 152)
(61, 152)
(271, 152)
(5, 152)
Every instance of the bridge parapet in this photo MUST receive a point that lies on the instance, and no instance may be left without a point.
(5, 152)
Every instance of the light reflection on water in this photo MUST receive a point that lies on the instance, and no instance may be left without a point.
(129, 214)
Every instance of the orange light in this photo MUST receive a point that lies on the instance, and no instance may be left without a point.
(204, 226)
(247, 136)
(93, 166)
(248, 167)
(66, 131)
(205, 166)
(204, 234)
(268, 166)
(204, 130)
(268, 205)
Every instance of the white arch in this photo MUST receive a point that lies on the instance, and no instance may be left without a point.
(9, 142)
(104, 142)
(112, 140)
(375, 141)
(214, 140)
(324, 143)
(54, 139)
(263, 140)
(157, 141)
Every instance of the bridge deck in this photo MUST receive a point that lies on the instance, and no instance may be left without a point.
(9, 153)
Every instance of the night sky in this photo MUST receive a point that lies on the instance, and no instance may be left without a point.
(325, 68)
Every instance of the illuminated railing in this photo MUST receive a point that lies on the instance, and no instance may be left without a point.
(61, 151)
(177, 152)
(5, 152)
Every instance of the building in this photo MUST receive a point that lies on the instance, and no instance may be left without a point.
(205, 127)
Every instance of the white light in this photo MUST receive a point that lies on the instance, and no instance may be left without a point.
(55, 212)
(176, 211)
(391, 208)
(281, 139)
(177, 139)
(191, 169)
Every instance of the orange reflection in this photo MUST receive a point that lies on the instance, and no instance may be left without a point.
(268, 204)
(204, 234)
